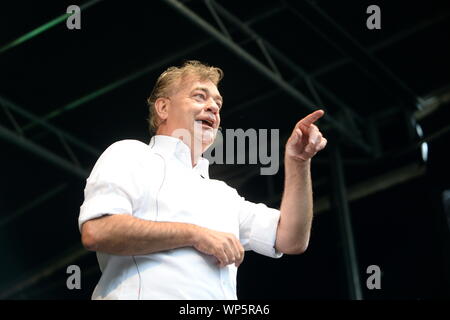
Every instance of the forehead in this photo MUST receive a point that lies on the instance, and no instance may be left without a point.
(190, 84)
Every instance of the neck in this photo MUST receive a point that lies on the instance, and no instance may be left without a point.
(196, 150)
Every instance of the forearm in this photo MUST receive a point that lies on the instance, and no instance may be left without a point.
(296, 208)
(122, 234)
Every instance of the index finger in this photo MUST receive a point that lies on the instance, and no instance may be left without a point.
(312, 117)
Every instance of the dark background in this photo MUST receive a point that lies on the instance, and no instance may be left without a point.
(92, 85)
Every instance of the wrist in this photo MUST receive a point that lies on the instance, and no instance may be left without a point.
(296, 162)
(194, 232)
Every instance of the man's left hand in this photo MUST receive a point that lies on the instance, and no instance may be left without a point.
(306, 139)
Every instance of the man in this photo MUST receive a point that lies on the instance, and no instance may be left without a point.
(162, 229)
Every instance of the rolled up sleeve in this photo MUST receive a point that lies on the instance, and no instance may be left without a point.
(111, 188)
(258, 228)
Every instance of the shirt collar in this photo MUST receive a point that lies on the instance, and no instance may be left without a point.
(171, 146)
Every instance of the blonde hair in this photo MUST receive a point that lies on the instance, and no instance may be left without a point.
(172, 78)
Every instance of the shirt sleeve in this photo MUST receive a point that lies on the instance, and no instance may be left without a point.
(112, 187)
(258, 228)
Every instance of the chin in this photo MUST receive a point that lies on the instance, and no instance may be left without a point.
(207, 142)
(208, 137)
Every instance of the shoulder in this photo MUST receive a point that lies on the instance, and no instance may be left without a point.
(126, 157)
(124, 152)
(127, 146)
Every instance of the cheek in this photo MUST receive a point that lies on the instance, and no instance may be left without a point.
(186, 117)
(218, 121)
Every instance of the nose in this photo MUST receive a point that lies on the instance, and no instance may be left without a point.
(212, 106)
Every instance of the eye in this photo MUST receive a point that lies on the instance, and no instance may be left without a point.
(201, 95)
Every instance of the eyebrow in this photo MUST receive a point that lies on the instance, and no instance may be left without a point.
(206, 90)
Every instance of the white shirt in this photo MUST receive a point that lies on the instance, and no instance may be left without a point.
(157, 182)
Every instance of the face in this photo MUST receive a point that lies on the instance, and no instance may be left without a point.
(194, 109)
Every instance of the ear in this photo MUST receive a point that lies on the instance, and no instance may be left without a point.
(162, 108)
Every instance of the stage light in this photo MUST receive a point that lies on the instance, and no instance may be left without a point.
(424, 145)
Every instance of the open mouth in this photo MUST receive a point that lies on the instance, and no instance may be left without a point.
(208, 123)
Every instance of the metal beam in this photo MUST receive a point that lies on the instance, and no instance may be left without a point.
(46, 26)
(321, 71)
(116, 84)
(345, 224)
(332, 42)
(433, 102)
(12, 120)
(283, 58)
(33, 204)
(374, 185)
(244, 55)
(43, 153)
(58, 132)
(360, 55)
(136, 75)
(254, 102)
(45, 271)
(217, 18)
(381, 182)
(383, 44)
(45, 291)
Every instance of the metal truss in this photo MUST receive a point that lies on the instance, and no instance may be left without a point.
(18, 135)
(140, 73)
(18, 138)
(267, 48)
(116, 84)
(363, 57)
(33, 204)
(46, 26)
(271, 74)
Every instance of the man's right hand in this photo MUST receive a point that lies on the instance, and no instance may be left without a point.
(224, 246)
